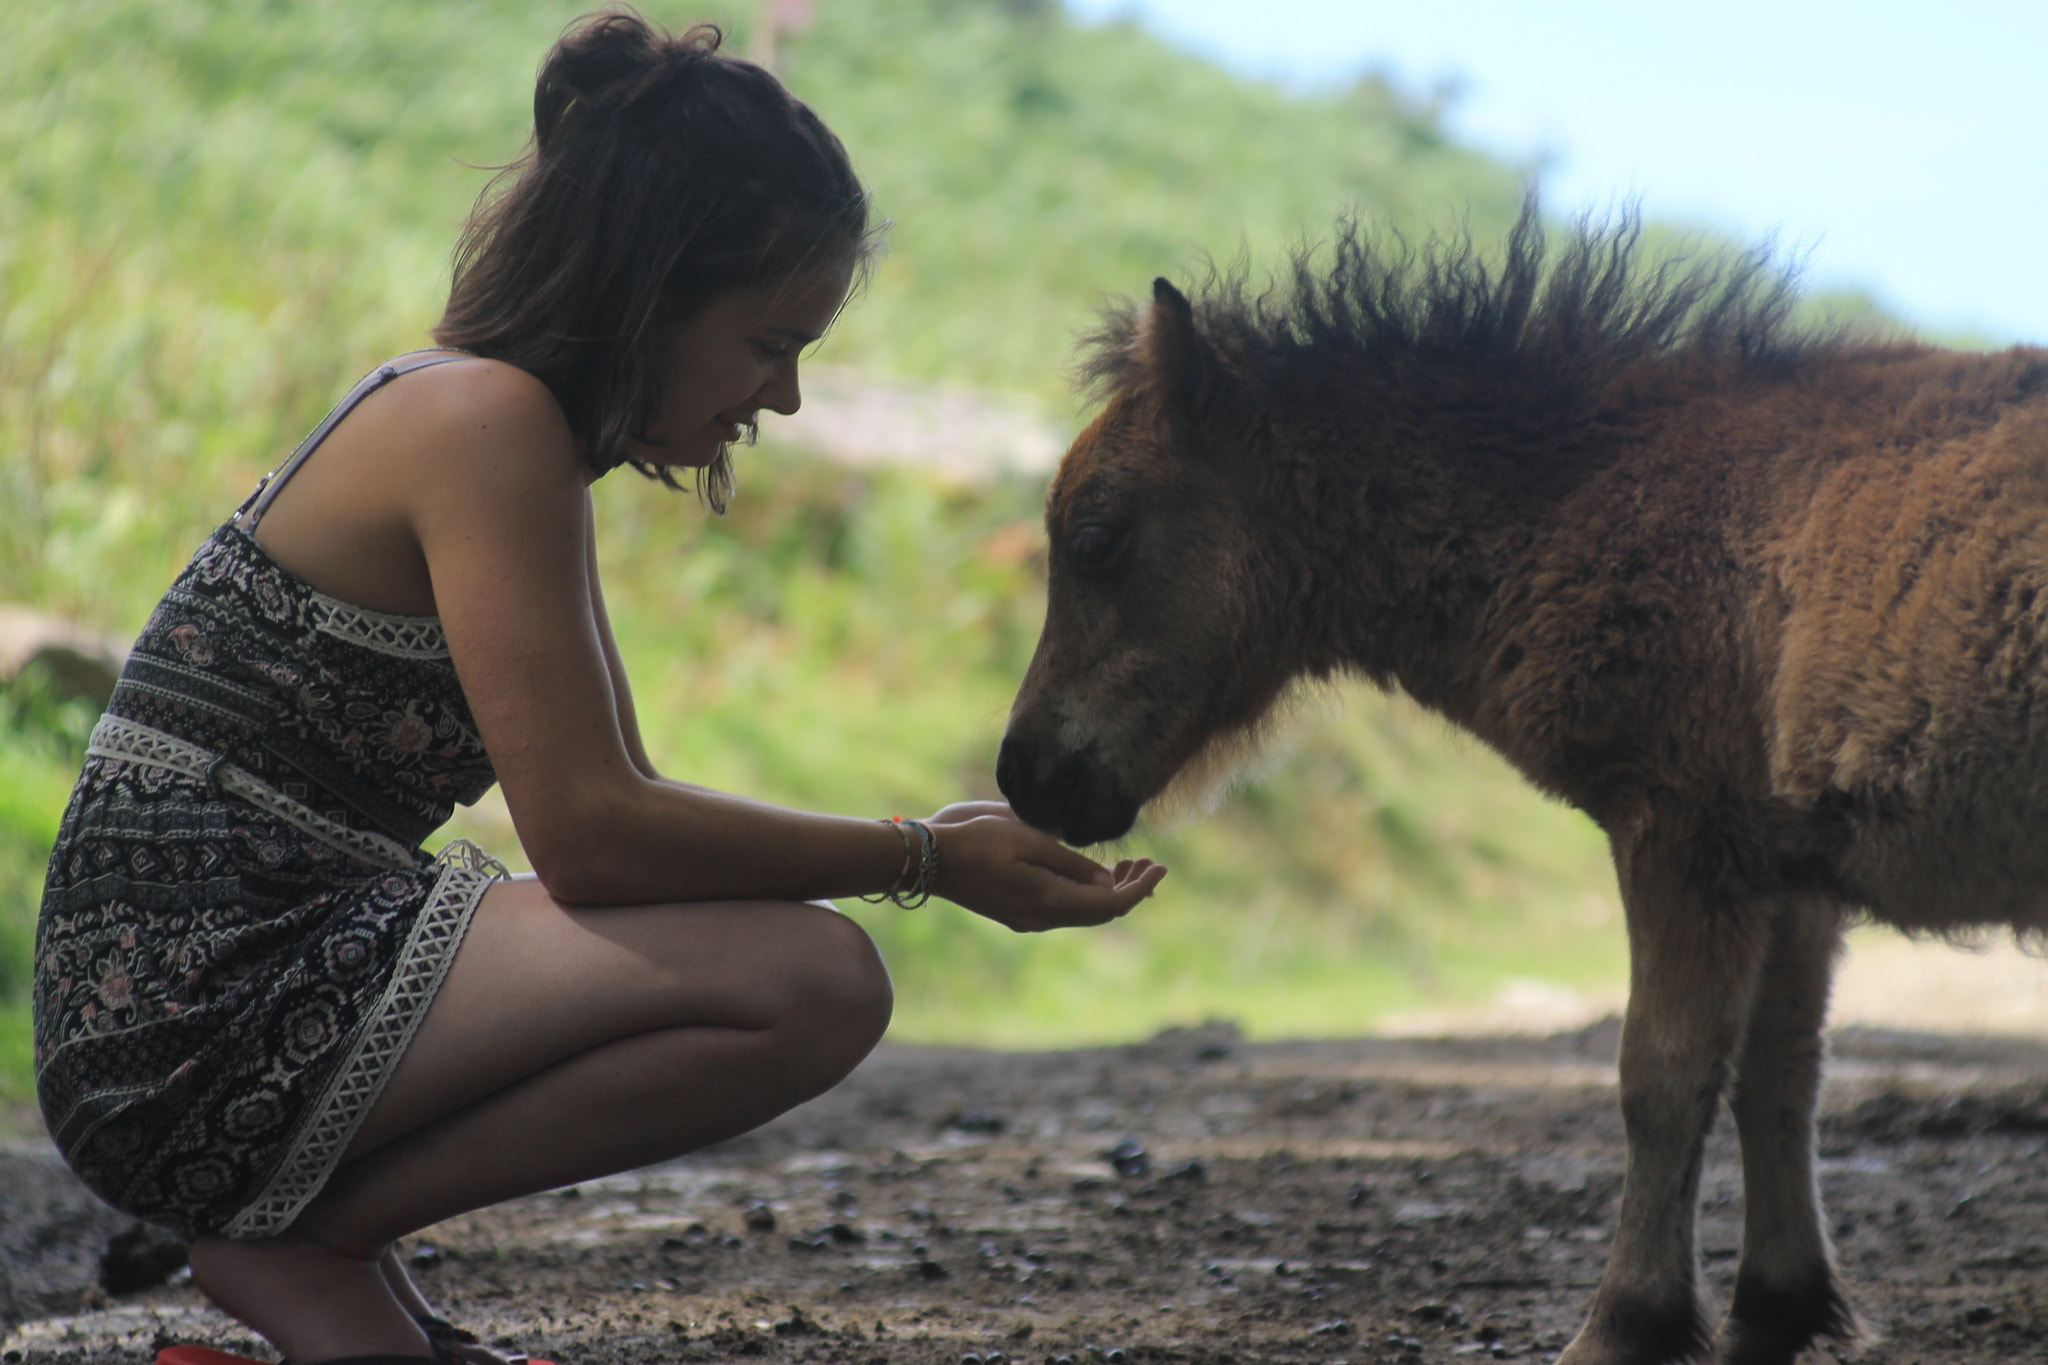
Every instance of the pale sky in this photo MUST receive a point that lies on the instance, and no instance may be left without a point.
(1906, 146)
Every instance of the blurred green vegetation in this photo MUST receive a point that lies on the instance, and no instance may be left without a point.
(214, 214)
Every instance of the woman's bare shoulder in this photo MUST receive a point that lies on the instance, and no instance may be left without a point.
(477, 394)
(479, 417)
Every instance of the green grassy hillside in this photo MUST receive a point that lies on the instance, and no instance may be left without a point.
(215, 213)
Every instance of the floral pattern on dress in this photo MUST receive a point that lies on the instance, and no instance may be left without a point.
(205, 970)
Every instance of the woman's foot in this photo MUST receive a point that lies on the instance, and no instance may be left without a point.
(311, 1302)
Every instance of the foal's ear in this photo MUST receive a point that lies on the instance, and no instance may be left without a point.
(1172, 351)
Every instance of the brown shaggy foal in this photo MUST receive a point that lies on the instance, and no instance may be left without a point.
(1772, 608)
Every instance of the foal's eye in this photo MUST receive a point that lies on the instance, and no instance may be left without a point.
(1095, 544)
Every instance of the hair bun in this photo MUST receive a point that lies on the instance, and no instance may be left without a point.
(606, 62)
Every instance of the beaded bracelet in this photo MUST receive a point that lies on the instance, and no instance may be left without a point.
(920, 865)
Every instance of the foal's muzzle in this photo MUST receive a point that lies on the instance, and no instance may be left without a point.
(1067, 793)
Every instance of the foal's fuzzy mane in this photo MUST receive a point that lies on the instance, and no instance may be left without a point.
(1566, 314)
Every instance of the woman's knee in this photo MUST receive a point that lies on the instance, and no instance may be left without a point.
(838, 986)
(861, 990)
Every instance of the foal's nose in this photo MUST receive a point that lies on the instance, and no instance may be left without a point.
(1012, 765)
(1062, 792)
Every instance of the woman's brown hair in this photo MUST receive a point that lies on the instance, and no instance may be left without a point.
(662, 173)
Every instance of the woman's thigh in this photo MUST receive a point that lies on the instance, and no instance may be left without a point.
(536, 982)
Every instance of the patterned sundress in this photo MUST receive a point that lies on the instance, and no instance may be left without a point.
(240, 932)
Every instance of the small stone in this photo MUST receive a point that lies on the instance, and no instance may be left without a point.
(1129, 1159)
(1335, 1327)
(760, 1217)
(425, 1256)
(797, 1324)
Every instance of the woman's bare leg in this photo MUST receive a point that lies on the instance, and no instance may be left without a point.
(566, 1043)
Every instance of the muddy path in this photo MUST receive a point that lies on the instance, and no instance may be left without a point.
(1195, 1199)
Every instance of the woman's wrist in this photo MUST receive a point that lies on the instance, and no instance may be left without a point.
(920, 871)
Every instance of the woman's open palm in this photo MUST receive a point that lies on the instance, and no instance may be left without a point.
(1002, 869)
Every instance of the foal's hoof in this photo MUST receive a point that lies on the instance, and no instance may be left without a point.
(1633, 1332)
(1771, 1325)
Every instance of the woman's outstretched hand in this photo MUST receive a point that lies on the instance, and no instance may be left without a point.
(1001, 868)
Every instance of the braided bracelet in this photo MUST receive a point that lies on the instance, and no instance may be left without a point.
(920, 865)
(927, 867)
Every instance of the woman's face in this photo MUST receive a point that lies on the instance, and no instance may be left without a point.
(734, 358)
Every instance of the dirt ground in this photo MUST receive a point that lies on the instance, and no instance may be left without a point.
(1194, 1198)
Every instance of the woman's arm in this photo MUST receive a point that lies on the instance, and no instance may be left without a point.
(615, 667)
(502, 516)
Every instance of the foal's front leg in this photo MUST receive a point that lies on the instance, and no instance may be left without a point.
(1693, 967)
(1786, 1290)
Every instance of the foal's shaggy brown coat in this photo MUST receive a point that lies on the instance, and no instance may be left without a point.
(1770, 607)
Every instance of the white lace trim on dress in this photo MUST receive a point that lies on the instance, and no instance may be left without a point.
(133, 742)
(405, 637)
(316, 1149)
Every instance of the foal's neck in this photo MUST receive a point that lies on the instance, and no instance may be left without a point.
(1419, 495)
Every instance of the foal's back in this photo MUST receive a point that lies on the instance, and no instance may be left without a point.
(1900, 580)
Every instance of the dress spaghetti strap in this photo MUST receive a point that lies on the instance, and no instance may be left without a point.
(258, 502)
